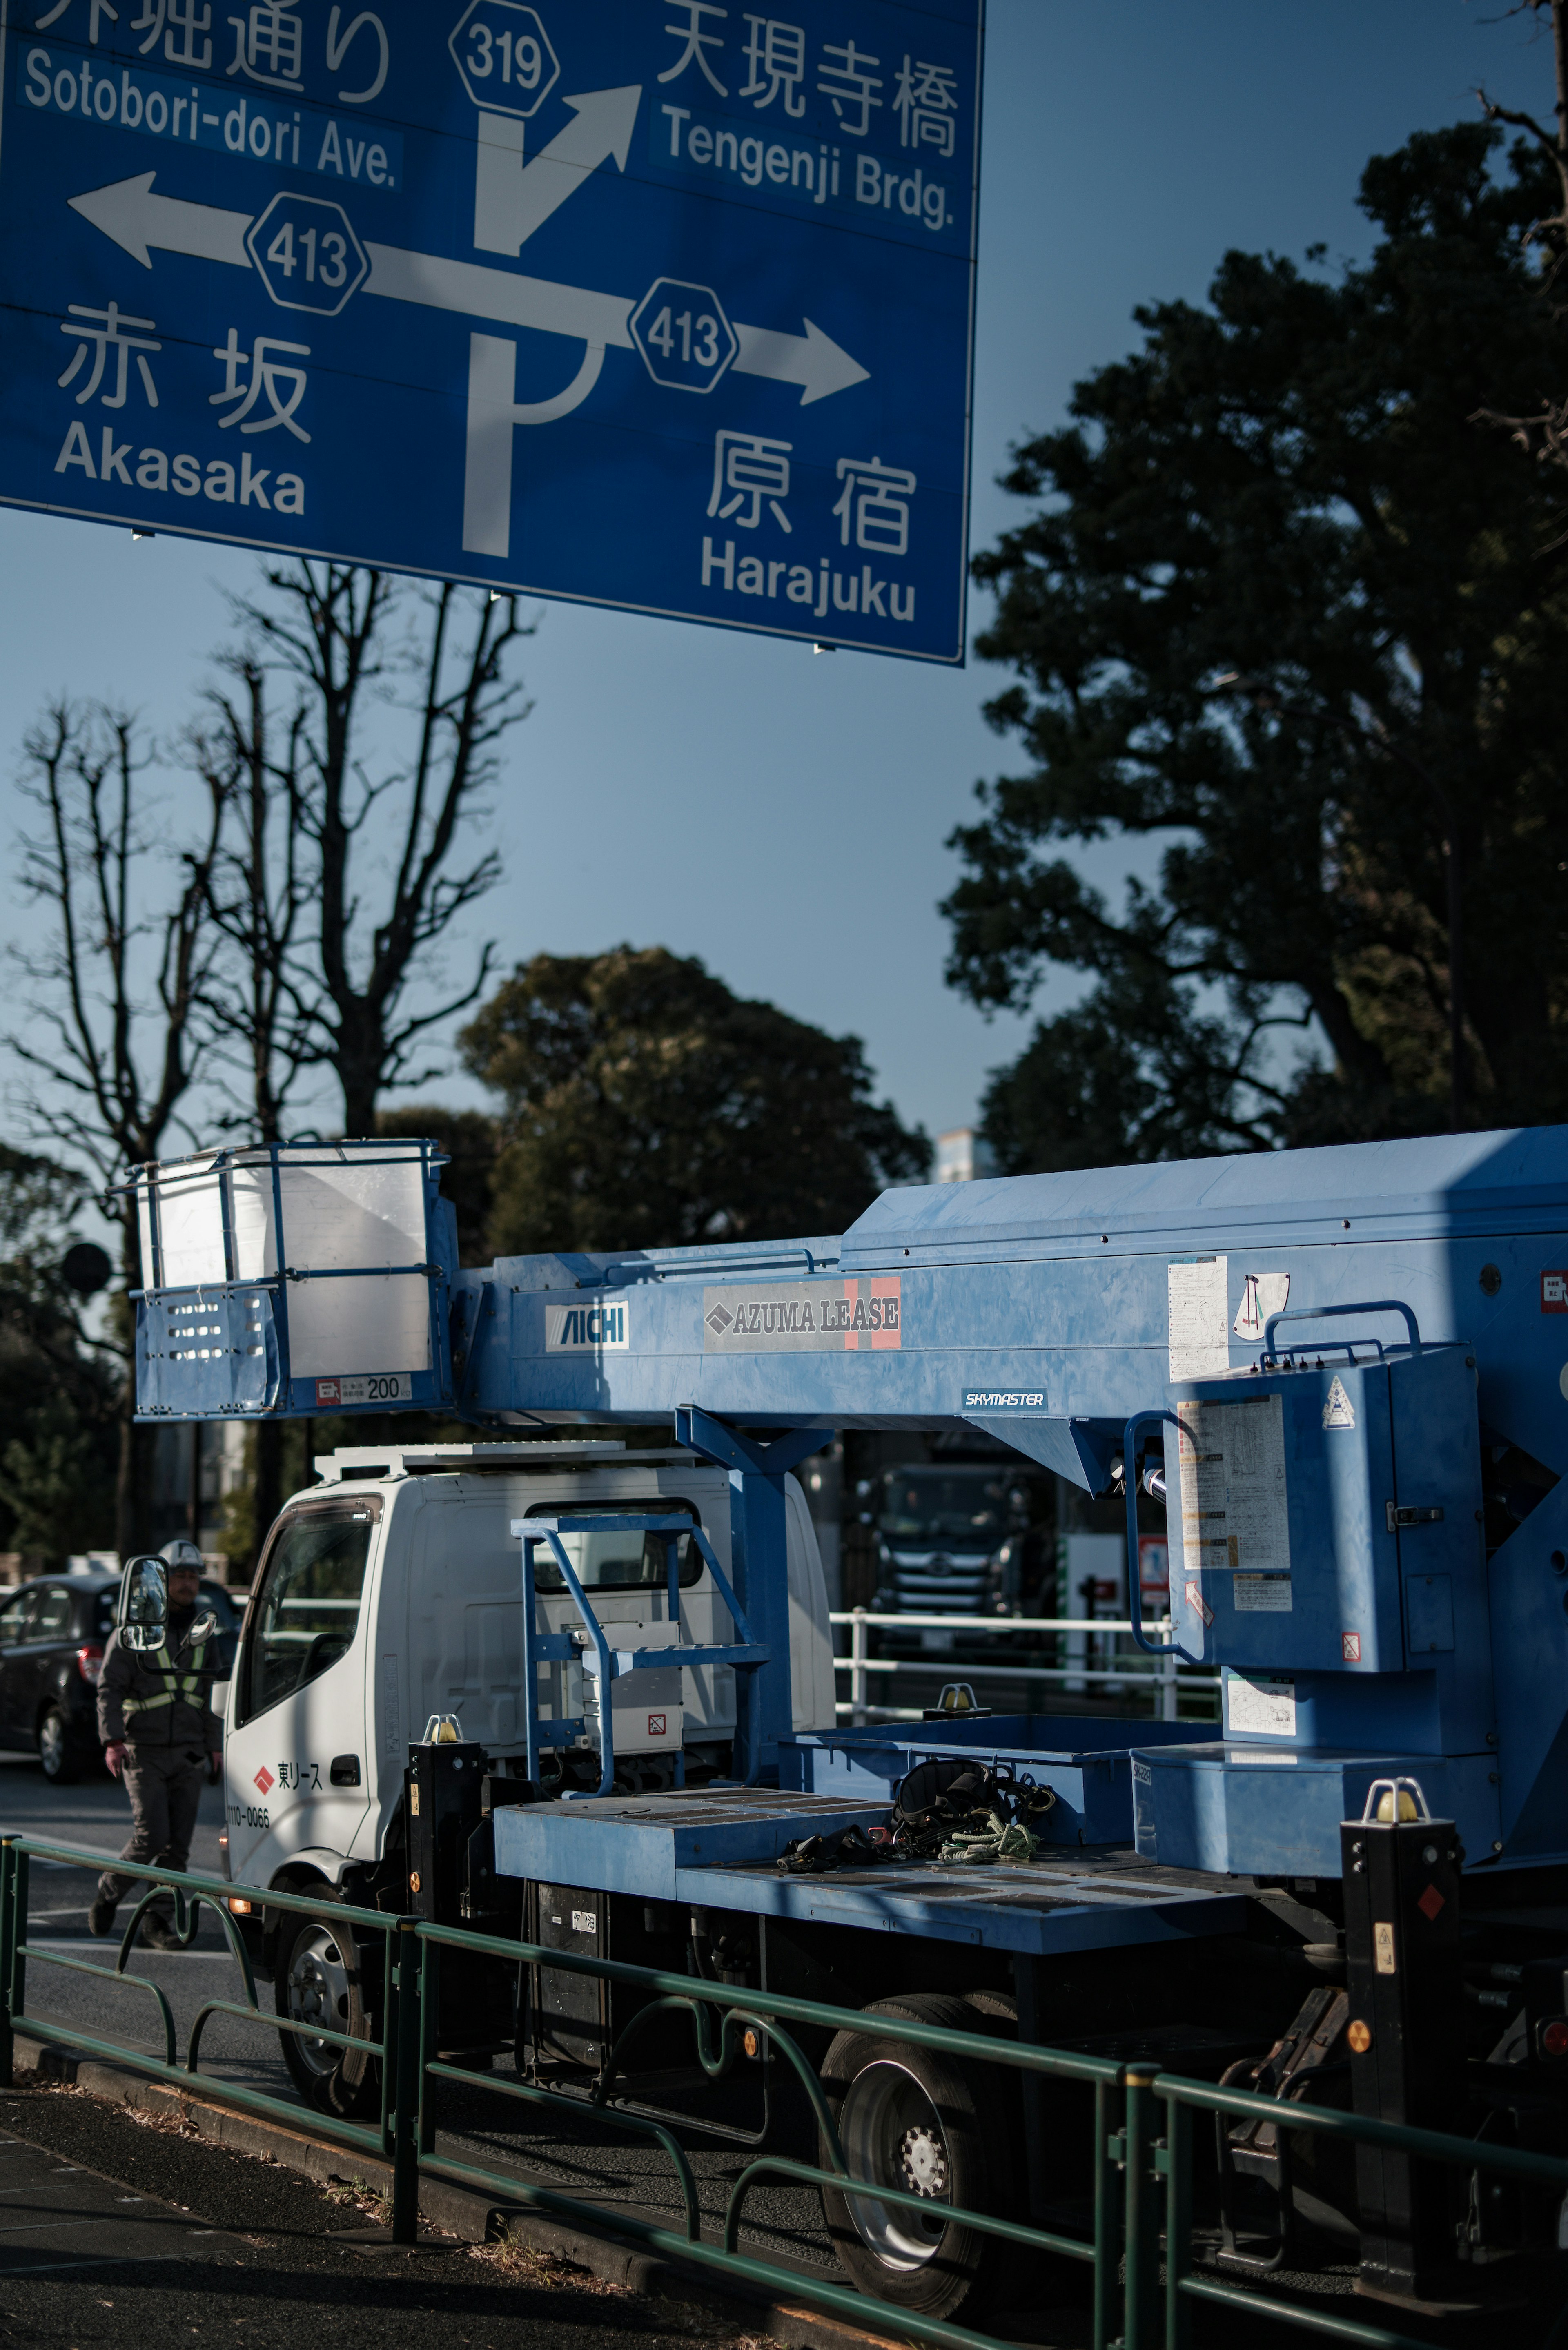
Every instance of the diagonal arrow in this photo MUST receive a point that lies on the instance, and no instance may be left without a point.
(129, 213)
(137, 220)
(814, 360)
(510, 199)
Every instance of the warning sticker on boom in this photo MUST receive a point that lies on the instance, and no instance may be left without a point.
(1233, 1502)
(1262, 1595)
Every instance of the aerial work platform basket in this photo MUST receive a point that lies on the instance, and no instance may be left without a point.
(294, 1278)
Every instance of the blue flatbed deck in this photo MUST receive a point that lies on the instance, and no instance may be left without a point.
(718, 1849)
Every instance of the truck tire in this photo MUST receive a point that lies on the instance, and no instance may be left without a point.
(318, 1979)
(914, 2118)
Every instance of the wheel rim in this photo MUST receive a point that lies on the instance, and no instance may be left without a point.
(892, 2136)
(52, 1744)
(319, 1994)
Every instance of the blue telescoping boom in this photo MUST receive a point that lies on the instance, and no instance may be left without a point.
(1350, 1366)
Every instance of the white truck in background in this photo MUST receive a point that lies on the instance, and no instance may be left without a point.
(391, 1592)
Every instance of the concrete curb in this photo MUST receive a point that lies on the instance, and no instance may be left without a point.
(456, 2211)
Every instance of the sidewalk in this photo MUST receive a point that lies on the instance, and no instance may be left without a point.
(117, 2229)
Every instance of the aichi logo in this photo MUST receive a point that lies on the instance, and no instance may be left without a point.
(587, 1329)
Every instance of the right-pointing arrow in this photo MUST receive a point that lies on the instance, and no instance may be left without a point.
(814, 360)
(129, 213)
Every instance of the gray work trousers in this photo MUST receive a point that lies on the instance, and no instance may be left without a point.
(164, 1783)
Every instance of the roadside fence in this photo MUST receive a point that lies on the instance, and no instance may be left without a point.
(1147, 2274)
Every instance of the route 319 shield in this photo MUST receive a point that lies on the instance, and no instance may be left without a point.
(660, 304)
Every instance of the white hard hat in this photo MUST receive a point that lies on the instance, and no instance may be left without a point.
(182, 1553)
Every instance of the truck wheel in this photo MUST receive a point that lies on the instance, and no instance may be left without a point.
(911, 2118)
(317, 1981)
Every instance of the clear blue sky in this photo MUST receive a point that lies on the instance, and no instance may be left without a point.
(784, 815)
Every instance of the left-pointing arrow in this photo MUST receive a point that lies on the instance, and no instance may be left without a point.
(129, 213)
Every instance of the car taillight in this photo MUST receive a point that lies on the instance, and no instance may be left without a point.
(90, 1661)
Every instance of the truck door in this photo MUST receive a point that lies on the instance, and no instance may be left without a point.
(296, 1766)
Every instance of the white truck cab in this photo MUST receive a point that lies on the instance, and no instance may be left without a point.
(392, 1591)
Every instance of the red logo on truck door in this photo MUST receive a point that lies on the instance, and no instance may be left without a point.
(265, 1781)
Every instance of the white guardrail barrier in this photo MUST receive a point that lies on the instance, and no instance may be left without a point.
(1138, 1675)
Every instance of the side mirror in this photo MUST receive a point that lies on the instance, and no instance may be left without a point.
(203, 1627)
(144, 1613)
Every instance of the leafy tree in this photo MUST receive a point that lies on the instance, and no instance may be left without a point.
(647, 1106)
(470, 1138)
(1287, 609)
(58, 1394)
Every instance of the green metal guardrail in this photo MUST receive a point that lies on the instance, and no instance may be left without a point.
(1140, 2173)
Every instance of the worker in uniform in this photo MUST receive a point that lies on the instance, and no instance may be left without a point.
(160, 1737)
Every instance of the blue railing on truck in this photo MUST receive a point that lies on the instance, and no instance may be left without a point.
(1140, 2176)
(747, 1654)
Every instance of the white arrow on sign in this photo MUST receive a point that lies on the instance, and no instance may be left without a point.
(814, 360)
(510, 199)
(129, 213)
(139, 220)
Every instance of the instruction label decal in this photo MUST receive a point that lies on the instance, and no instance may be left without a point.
(1233, 1501)
(1198, 1318)
(1265, 1707)
(1262, 1595)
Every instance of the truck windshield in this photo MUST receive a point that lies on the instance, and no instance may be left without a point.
(937, 1508)
(616, 1562)
(303, 1617)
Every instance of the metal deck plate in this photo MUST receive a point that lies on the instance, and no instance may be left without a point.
(718, 1849)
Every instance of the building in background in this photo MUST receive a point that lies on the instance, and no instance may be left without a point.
(964, 1155)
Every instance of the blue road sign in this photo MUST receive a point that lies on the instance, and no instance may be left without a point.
(661, 303)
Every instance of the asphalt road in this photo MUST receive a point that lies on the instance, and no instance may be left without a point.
(593, 2159)
(113, 2232)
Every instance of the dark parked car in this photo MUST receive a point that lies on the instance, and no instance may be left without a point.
(52, 1636)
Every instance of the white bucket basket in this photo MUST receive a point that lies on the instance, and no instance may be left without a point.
(345, 1224)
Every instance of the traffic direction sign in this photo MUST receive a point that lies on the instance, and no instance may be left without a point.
(663, 304)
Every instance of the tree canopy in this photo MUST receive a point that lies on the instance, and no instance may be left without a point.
(58, 1434)
(1289, 611)
(646, 1105)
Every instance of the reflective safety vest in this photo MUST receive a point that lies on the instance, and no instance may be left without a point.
(176, 1684)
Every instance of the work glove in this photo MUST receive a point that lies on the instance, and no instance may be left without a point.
(114, 1755)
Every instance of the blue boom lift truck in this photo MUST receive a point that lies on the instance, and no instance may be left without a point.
(1346, 1373)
